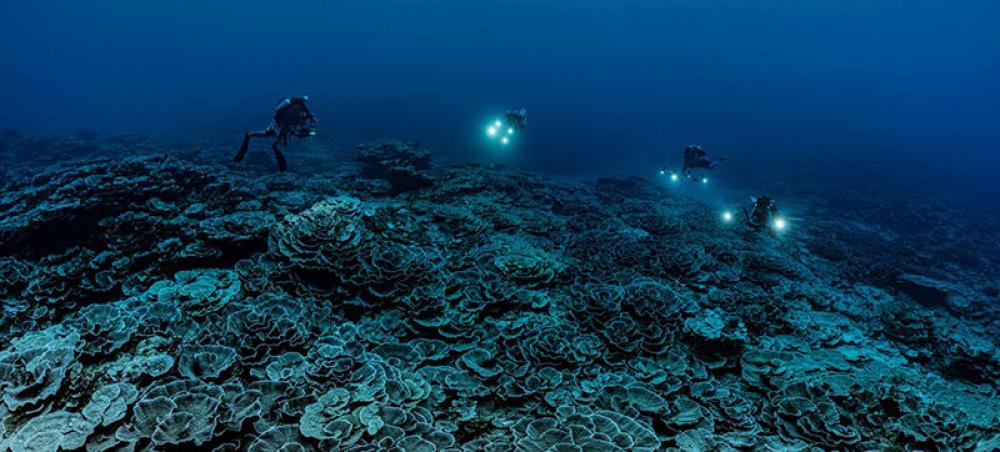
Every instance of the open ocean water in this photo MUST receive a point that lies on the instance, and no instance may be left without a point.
(437, 270)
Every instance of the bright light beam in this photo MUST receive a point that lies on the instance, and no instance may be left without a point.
(727, 216)
(504, 140)
(491, 131)
(780, 224)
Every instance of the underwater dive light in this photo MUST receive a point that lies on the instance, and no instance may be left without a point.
(727, 216)
(501, 130)
(674, 177)
(496, 129)
(779, 223)
(704, 179)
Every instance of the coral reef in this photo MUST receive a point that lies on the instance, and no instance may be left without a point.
(404, 165)
(153, 303)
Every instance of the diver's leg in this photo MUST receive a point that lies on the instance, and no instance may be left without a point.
(246, 142)
(282, 165)
(243, 148)
(750, 221)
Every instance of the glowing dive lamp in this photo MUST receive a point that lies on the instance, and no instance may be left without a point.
(496, 129)
(674, 177)
(779, 224)
(704, 180)
(727, 216)
(662, 172)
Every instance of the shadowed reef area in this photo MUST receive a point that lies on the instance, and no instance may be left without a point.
(153, 301)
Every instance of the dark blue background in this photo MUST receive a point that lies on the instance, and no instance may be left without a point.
(613, 86)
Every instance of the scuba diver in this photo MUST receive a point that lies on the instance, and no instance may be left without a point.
(503, 129)
(291, 118)
(697, 157)
(761, 213)
(516, 119)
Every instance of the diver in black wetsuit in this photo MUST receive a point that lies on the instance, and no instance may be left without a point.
(760, 214)
(516, 119)
(291, 118)
(697, 157)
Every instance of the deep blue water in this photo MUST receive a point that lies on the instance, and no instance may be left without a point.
(374, 297)
(611, 86)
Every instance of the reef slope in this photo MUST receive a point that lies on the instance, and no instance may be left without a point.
(155, 303)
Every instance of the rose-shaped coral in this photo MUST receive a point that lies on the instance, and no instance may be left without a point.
(519, 262)
(36, 367)
(554, 345)
(105, 328)
(622, 332)
(325, 237)
(601, 430)
(198, 292)
(594, 304)
(181, 412)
